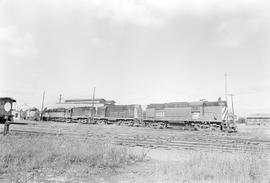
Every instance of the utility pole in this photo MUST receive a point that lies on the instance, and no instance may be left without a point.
(42, 105)
(93, 100)
(91, 116)
(232, 105)
(60, 98)
(226, 92)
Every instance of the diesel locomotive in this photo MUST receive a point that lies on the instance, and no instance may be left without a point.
(194, 115)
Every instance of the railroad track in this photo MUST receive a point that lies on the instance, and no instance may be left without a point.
(193, 145)
(197, 141)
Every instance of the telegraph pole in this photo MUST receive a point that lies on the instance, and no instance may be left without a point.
(93, 100)
(226, 92)
(42, 105)
(232, 105)
(60, 98)
(91, 116)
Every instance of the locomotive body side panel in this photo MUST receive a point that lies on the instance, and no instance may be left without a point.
(201, 112)
(58, 115)
(178, 114)
(150, 113)
(123, 112)
(211, 113)
(82, 112)
(101, 112)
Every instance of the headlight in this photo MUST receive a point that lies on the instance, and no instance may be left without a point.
(7, 107)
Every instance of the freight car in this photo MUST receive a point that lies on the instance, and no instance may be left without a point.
(6, 104)
(192, 115)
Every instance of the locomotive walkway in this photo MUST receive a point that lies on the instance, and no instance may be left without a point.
(170, 139)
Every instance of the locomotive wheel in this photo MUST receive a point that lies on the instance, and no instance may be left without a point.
(190, 127)
(84, 121)
(138, 124)
(152, 125)
(68, 121)
(157, 125)
(127, 123)
(119, 123)
(161, 125)
(100, 122)
(214, 127)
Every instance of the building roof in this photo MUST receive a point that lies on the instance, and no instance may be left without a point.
(7, 98)
(89, 101)
(196, 103)
(70, 103)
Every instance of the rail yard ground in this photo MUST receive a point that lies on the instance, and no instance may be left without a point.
(71, 152)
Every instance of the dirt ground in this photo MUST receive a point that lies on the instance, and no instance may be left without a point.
(165, 148)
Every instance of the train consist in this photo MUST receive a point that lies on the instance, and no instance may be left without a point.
(191, 115)
(6, 104)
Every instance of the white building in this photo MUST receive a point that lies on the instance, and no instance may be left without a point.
(258, 119)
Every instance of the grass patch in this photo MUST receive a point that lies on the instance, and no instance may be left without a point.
(22, 157)
(216, 167)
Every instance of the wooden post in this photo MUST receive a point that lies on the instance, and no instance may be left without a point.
(226, 91)
(42, 105)
(6, 127)
(232, 105)
(93, 103)
(91, 115)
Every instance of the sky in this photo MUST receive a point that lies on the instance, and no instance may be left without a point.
(136, 51)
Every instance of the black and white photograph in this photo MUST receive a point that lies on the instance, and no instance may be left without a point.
(135, 91)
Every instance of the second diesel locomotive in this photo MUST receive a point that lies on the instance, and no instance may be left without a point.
(128, 114)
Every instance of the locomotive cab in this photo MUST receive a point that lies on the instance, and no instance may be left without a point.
(6, 104)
